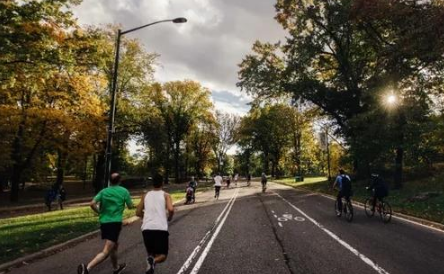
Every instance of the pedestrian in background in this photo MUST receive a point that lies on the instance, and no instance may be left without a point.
(217, 185)
(61, 196)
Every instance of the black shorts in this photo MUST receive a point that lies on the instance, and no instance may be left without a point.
(111, 231)
(156, 241)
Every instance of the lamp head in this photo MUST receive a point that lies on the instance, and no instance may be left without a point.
(179, 20)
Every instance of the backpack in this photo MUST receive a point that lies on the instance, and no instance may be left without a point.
(346, 184)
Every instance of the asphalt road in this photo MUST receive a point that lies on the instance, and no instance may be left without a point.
(281, 231)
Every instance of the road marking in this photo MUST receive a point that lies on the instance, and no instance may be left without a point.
(299, 219)
(272, 211)
(275, 215)
(210, 243)
(196, 250)
(280, 224)
(282, 219)
(361, 256)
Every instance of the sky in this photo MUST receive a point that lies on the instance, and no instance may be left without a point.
(207, 49)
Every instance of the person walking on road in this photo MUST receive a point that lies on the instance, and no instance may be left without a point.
(264, 181)
(156, 210)
(217, 185)
(343, 182)
(109, 204)
(236, 177)
(193, 185)
(248, 179)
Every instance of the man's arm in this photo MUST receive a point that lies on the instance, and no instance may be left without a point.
(334, 183)
(94, 207)
(169, 206)
(129, 201)
(141, 207)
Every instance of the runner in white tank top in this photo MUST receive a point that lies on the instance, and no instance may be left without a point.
(155, 209)
(155, 215)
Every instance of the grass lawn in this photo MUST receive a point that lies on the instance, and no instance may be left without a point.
(27, 234)
(420, 198)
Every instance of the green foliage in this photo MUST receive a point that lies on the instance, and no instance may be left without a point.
(345, 57)
(284, 137)
(178, 114)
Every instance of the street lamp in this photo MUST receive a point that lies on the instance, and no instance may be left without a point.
(112, 112)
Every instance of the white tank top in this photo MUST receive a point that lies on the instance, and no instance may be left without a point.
(155, 215)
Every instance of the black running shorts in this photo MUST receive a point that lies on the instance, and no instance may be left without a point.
(156, 242)
(111, 231)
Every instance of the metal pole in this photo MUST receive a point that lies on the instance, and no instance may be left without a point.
(112, 114)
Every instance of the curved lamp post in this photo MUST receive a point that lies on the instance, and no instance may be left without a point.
(112, 112)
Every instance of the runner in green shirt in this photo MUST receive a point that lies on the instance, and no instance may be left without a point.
(109, 204)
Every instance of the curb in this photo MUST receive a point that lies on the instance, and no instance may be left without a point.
(400, 216)
(6, 267)
(70, 202)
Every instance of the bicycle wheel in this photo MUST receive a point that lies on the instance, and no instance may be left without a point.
(386, 212)
(368, 207)
(349, 211)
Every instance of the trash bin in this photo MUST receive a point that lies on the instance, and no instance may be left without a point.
(299, 178)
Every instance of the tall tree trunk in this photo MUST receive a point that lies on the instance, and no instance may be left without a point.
(398, 167)
(17, 167)
(22, 162)
(399, 150)
(266, 164)
(176, 161)
(61, 162)
(167, 162)
(187, 152)
(99, 172)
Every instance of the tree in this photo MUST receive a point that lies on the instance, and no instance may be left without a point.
(268, 128)
(42, 84)
(225, 131)
(343, 55)
(175, 108)
(201, 139)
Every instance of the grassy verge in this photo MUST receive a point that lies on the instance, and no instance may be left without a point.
(422, 198)
(27, 234)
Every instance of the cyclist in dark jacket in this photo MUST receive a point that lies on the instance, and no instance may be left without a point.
(343, 182)
(379, 188)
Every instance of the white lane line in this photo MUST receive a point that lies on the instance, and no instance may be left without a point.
(280, 224)
(210, 243)
(361, 256)
(196, 250)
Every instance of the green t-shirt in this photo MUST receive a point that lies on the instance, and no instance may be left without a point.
(112, 203)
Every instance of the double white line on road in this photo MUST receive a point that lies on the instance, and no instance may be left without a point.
(217, 226)
(361, 256)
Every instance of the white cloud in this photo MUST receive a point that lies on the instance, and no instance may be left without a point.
(208, 48)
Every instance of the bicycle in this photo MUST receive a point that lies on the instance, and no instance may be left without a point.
(347, 207)
(383, 207)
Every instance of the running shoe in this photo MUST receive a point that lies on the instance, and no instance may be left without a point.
(120, 268)
(152, 264)
(81, 269)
